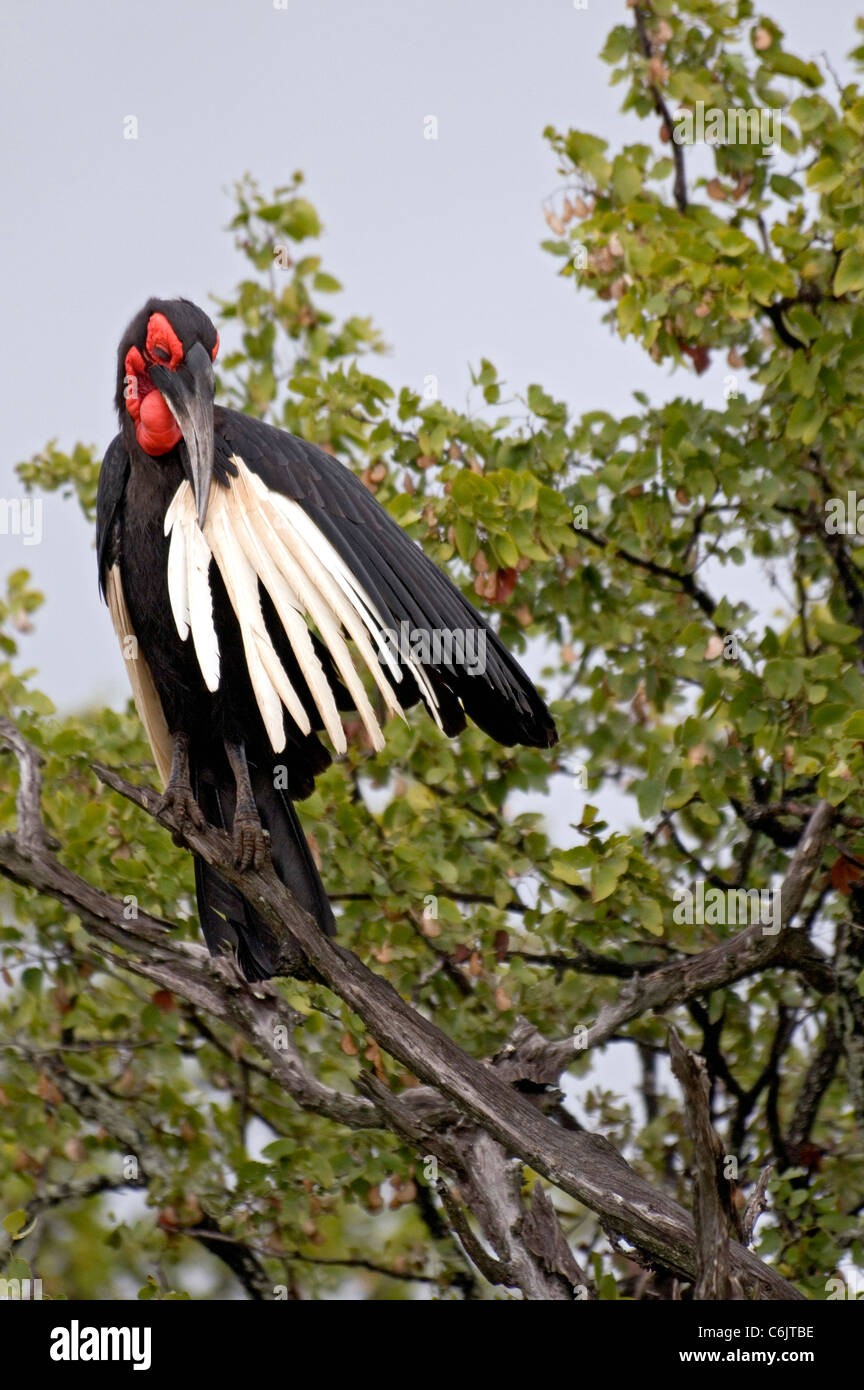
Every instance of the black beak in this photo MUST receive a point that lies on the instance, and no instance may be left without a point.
(189, 394)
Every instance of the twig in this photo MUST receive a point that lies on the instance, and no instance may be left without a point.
(662, 110)
(756, 1205)
(684, 580)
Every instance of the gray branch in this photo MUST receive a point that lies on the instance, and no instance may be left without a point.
(712, 1206)
(583, 1165)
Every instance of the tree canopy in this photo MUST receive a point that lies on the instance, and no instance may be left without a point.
(166, 1131)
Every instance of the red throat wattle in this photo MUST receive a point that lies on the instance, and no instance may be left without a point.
(155, 427)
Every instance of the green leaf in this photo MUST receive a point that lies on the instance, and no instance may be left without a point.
(789, 66)
(604, 879)
(825, 175)
(850, 272)
(565, 871)
(785, 187)
(854, 726)
(617, 44)
(652, 916)
(15, 1222)
(782, 678)
(31, 978)
(626, 179)
(806, 419)
(649, 797)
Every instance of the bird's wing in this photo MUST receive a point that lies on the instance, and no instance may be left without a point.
(327, 554)
(260, 539)
(147, 702)
(112, 482)
(113, 476)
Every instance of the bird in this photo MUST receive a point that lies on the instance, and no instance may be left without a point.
(257, 587)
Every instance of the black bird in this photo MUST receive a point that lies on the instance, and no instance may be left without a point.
(237, 561)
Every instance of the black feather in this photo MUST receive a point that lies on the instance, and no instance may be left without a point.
(113, 477)
(398, 576)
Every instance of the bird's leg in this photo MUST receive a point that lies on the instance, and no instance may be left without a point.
(250, 837)
(177, 797)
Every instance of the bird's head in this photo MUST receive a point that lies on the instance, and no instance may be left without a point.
(165, 387)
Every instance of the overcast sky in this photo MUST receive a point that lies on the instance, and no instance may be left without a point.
(438, 240)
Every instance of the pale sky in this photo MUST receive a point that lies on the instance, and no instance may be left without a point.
(437, 240)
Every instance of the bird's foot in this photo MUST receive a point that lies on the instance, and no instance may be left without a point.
(179, 802)
(251, 841)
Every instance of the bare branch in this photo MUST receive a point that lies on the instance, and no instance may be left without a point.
(713, 1208)
(756, 1205)
(849, 965)
(816, 1082)
(31, 832)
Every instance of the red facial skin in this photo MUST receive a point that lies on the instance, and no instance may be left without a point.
(155, 427)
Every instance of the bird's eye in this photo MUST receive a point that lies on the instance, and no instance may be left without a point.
(163, 344)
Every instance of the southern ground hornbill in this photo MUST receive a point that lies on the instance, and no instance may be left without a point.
(238, 562)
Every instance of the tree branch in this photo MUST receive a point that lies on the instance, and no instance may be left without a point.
(713, 1208)
(662, 109)
(585, 1166)
(684, 579)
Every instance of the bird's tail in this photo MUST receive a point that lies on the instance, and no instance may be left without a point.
(228, 921)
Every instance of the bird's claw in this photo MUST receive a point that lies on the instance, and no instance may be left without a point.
(178, 801)
(251, 842)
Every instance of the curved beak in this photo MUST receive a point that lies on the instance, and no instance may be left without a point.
(188, 392)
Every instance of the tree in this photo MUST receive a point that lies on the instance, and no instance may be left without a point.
(393, 1111)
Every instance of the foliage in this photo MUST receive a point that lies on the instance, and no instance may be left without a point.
(597, 539)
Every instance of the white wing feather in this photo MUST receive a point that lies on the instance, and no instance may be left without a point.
(178, 591)
(241, 583)
(147, 701)
(189, 583)
(291, 615)
(255, 535)
(321, 599)
(360, 601)
(204, 637)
